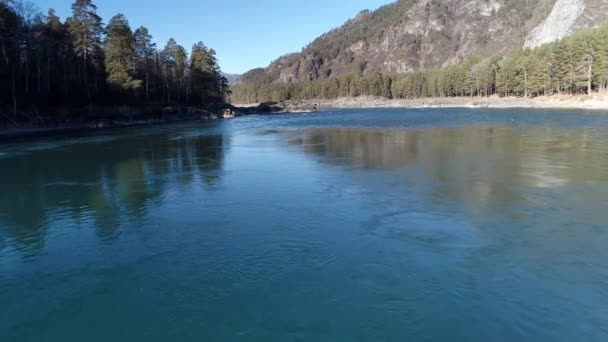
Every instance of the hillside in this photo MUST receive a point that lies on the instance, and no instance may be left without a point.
(412, 35)
(232, 78)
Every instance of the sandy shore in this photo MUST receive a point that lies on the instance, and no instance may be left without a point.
(594, 102)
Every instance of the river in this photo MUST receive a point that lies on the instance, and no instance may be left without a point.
(344, 225)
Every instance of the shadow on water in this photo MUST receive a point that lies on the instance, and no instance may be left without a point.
(101, 183)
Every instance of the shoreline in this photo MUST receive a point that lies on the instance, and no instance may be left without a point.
(107, 118)
(62, 121)
(26, 132)
(584, 102)
(126, 116)
(580, 102)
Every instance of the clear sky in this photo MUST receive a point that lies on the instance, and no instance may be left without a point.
(245, 33)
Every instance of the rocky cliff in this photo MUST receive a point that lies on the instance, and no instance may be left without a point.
(566, 17)
(411, 35)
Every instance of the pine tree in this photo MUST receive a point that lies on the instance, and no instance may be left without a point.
(537, 80)
(45, 63)
(180, 57)
(601, 57)
(86, 30)
(168, 66)
(144, 58)
(201, 72)
(119, 55)
(10, 28)
(589, 65)
(505, 77)
(581, 64)
(57, 49)
(206, 79)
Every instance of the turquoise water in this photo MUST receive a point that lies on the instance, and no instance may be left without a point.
(351, 225)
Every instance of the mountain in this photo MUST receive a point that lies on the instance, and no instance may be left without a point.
(232, 78)
(412, 35)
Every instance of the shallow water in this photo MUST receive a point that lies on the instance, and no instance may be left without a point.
(350, 225)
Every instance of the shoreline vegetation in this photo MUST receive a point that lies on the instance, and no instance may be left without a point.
(573, 66)
(80, 72)
(583, 102)
(130, 116)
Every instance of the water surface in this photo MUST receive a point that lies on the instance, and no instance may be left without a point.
(351, 225)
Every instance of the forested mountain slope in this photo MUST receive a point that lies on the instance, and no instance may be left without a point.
(412, 35)
(574, 65)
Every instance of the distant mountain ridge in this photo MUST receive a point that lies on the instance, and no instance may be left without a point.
(232, 78)
(412, 35)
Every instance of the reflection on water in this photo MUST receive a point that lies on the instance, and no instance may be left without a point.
(106, 180)
(470, 164)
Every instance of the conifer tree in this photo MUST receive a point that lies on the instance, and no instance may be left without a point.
(180, 57)
(10, 28)
(201, 69)
(45, 62)
(144, 58)
(86, 30)
(120, 55)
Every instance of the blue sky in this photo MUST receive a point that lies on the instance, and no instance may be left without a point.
(245, 33)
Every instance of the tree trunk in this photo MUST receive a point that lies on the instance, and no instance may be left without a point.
(589, 74)
(85, 68)
(14, 91)
(168, 93)
(27, 75)
(179, 91)
(526, 94)
(571, 79)
(86, 79)
(147, 87)
(66, 86)
(38, 72)
(48, 74)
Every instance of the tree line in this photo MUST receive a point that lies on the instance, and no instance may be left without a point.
(46, 62)
(577, 64)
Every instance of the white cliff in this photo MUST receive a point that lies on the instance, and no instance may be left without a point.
(558, 24)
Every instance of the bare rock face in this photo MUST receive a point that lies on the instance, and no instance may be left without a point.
(411, 35)
(560, 22)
